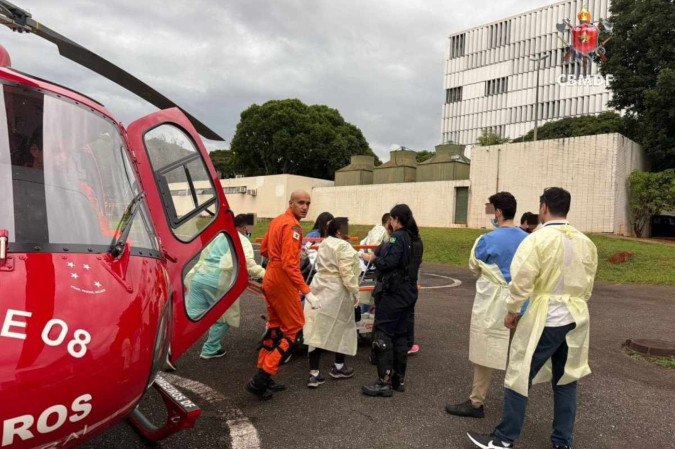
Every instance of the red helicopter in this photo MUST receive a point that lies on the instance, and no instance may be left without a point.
(96, 252)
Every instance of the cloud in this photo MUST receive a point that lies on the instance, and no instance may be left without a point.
(379, 63)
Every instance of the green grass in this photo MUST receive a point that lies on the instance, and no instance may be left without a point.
(664, 362)
(653, 262)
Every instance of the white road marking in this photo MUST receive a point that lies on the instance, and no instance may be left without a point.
(242, 433)
(455, 282)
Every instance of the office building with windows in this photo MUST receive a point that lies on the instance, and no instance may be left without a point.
(491, 74)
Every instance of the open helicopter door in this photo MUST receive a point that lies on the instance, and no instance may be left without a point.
(193, 221)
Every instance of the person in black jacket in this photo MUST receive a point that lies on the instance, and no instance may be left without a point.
(398, 265)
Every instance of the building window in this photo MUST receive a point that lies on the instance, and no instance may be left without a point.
(499, 34)
(496, 86)
(453, 95)
(457, 46)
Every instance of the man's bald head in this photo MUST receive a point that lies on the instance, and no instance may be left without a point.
(299, 203)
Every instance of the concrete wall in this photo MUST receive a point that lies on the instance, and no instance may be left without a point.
(265, 196)
(593, 168)
(272, 193)
(353, 177)
(629, 157)
(432, 203)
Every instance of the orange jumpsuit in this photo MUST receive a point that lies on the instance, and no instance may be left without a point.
(282, 285)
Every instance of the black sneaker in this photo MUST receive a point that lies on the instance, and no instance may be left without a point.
(488, 441)
(398, 383)
(219, 353)
(275, 387)
(379, 388)
(465, 409)
(315, 381)
(343, 373)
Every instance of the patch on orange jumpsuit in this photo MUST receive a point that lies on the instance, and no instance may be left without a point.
(296, 232)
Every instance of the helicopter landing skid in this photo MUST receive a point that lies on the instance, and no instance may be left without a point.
(182, 413)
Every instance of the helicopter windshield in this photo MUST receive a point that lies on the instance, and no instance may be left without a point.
(65, 179)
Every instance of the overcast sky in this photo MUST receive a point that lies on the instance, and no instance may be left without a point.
(379, 63)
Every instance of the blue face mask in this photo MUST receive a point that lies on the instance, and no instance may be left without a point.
(494, 222)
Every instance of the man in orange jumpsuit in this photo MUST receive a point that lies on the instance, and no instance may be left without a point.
(282, 285)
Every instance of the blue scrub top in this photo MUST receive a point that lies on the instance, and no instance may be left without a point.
(210, 272)
(499, 246)
(313, 234)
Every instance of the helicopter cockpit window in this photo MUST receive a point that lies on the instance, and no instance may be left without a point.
(65, 177)
(187, 191)
(209, 276)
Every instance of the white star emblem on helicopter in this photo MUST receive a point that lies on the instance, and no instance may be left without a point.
(74, 275)
(97, 284)
(70, 265)
(86, 267)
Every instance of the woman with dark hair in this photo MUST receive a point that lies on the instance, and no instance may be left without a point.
(336, 284)
(320, 228)
(398, 265)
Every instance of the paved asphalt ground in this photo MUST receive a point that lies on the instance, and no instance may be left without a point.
(623, 404)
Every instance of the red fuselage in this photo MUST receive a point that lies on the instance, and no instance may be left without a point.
(76, 332)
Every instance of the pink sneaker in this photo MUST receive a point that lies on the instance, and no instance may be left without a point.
(414, 349)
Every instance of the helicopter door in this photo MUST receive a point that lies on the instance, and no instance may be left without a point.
(193, 222)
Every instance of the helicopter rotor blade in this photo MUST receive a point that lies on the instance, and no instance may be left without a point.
(20, 20)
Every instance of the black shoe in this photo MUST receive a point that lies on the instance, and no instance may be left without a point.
(275, 387)
(258, 385)
(561, 446)
(219, 353)
(465, 409)
(488, 441)
(379, 388)
(398, 383)
(263, 393)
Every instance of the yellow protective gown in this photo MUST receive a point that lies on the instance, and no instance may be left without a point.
(555, 264)
(375, 236)
(233, 315)
(488, 338)
(332, 327)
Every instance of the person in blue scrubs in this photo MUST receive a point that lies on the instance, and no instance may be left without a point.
(488, 347)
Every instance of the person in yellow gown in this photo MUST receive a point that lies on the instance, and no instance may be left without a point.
(555, 267)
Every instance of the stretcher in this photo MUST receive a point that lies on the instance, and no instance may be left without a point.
(366, 286)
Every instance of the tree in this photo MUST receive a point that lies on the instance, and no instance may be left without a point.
(641, 58)
(287, 136)
(604, 123)
(650, 194)
(489, 137)
(423, 155)
(223, 161)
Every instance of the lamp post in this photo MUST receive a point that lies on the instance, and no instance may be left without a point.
(538, 60)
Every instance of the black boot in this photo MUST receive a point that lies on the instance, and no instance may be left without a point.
(398, 383)
(274, 386)
(258, 385)
(379, 388)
